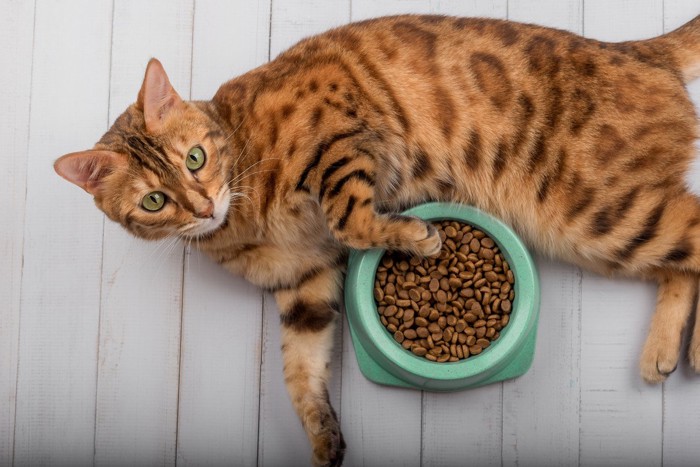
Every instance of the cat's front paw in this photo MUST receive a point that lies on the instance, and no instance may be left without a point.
(328, 446)
(326, 438)
(659, 360)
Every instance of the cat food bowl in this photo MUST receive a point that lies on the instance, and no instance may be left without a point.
(384, 360)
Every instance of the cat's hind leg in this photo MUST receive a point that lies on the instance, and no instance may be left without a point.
(308, 315)
(663, 345)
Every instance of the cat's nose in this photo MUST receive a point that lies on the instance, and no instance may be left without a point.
(204, 210)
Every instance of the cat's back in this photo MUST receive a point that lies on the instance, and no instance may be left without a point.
(439, 74)
(541, 103)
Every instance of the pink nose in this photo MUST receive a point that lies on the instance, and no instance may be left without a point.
(205, 210)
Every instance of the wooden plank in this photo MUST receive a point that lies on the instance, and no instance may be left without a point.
(491, 9)
(230, 38)
(136, 419)
(282, 440)
(470, 422)
(541, 409)
(620, 414)
(382, 425)
(622, 20)
(551, 13)
(16, 50)
(680, 392)
(364, 9)
(370, 413)
(220, 374)
(294, 20)
(222, 314)
(62, 238)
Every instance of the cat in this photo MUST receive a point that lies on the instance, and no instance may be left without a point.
(580, 145)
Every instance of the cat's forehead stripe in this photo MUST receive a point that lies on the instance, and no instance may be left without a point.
(150, 154)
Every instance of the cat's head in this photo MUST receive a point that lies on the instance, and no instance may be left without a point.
(157, 171)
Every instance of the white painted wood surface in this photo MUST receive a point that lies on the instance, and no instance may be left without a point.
(141, 309)
(60, 289)
(621, 417)
(114, 351)
(281, 443)
(16, 26)
(530, 407)
(222, 320)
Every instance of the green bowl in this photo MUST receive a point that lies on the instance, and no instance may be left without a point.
(384, 361)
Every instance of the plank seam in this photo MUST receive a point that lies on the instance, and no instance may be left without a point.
(260, 370)
(579, 307)
(502, 384)
(262, 294)
(339, 345)
(194, 9)
(21, 280)
(269, 34)
(186, 253)
(102, 255)
(422, 426)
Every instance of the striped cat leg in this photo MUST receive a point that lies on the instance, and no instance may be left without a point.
(308, 316)
(347, 199)
(663, 345)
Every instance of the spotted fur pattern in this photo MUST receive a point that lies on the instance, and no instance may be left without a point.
(580, 145)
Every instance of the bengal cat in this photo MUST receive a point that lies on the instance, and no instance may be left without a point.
(580, 145)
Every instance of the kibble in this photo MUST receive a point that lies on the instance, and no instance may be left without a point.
(448, 308)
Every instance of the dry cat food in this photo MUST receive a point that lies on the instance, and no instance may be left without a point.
(450, 307)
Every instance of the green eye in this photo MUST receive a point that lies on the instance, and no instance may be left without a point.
(195, 158)
(153, 201)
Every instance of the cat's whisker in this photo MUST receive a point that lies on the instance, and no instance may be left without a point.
(242, 188)
(160, 247)
(238, 177)
(243, 151)
(165, 253)
(233, 133)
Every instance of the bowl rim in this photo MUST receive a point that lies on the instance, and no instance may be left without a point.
(364, 317)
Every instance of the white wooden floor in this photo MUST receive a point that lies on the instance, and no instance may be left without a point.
(118, 352)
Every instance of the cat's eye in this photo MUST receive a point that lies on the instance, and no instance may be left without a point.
(153, 201)
(195, 158)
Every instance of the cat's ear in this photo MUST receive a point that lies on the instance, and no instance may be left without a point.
(87, 169)
(157, 96)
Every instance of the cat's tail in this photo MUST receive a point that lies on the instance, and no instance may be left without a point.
(684, 44)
